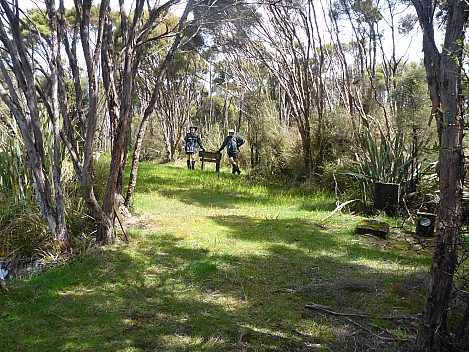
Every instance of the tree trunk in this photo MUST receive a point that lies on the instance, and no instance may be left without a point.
(151, 106)
(82, 163)
(307, 151)
(61, 235)
(117, 156)
(443, 75)
(105, 231)
(136, 155)
(26, 110)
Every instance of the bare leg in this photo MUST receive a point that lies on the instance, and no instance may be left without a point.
(194, 157)
(234, 163)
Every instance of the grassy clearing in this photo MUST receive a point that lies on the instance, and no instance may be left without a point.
(223, 264)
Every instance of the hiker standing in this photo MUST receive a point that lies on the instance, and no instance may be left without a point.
(191, 142)
(232, 143)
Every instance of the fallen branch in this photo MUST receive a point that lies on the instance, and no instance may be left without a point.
(287, 290)
(339, 208)
(329, 311)
(3, 287)
(58, 316)
(320, 226)
(369, 331)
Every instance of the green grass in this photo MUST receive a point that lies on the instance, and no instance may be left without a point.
(222, 264)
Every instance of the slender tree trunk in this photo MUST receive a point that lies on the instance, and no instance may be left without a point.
(23, 102)
(82, 155)
(151, 106)
(62, 236)
(103, 218)
(109, 75)
(443, 75)
(240, 114)
(136, 156)
(305, 134)
(167, 144)
(135, 31)
(117, 156)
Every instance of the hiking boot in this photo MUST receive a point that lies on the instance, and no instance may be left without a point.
(238, 171)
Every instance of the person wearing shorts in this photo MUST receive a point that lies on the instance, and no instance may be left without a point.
(232, 143)
(191, 143)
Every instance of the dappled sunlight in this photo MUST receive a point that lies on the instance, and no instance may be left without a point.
(231, 268)
(391, 267)
(270, 331)
(176, 341)
(162, 295)
(219, 270)
(226, 191)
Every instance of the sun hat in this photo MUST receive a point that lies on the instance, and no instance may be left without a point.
(231, 131)
(192, 127)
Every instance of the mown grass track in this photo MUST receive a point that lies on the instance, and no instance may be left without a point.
(223, 264)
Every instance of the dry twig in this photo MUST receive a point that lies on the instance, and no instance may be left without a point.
(329, 311)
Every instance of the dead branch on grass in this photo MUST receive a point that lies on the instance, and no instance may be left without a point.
(339, 208)
(327, 310)
(361, 326)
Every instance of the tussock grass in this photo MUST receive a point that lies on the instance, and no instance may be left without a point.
(223, 264)
(23, 232)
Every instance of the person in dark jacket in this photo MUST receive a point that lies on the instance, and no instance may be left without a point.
(232, 143)
(191, 142)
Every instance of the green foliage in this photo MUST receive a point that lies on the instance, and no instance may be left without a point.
(22, 228)
(274, 145)
(212, 16)
(80, 222)
(381, 160)
(100, 173)
(153, 148)
(339, 152)
(366, 11)
(407, 23)
(386, 160)
(15, 177)
(411, 97)
(38, 19)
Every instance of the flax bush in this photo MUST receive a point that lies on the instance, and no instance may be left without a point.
(24, 235)
(15, 178)
(380, 160)
(16, 196)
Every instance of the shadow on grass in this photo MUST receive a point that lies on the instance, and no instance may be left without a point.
(324, 268)
(159, 295)
(208, 189)
(307, 236)
(168, 298)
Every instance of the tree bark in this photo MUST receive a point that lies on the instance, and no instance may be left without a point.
(136, 30)
(62, 235)
(80, 122)
(444, 80)
(22, 101)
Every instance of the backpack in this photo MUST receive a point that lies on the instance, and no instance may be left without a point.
(233, 145)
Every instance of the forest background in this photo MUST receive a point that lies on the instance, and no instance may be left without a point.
(320, 91)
